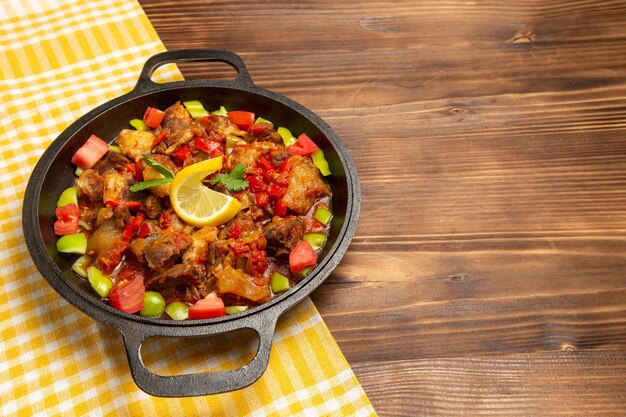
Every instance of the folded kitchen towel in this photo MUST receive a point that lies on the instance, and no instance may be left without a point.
(59, 59)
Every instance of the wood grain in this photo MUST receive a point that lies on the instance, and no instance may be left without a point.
(488, 273)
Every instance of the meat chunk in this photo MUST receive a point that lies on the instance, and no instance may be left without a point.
(152, 207)
(166, 249)
(263, 132)
(176, 276)
(135, 142)
(110, 161)
(122, 216)
(236, 281)
(91, 184)
(305, 185)
(248, 154)
(181, 127)
(115, 187)
(282, 234)
(197, 252)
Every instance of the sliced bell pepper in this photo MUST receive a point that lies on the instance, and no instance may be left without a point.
(138, 124)
(323, 215)
(195, 109)
(320, 162)
(288, 138)
(220, 112)
(74, 243)
(279, 283)
(99, 282)
(68, 196)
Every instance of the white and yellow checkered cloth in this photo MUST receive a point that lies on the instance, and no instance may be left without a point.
(58, 59)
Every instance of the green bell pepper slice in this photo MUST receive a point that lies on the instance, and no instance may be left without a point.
(139, 124)
(323, 215)
(320, 162)
(288, 138)
(99, 282)
(279, 283)
(177, 310)
(196, 109)
(221, 112)
(68, 196)
(74, 243)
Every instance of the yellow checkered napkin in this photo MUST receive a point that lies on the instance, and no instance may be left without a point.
(59, 59)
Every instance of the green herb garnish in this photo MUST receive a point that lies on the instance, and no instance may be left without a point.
(233, 181)
(167, 174)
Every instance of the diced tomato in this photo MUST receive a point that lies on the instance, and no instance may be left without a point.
(181, 154)
(301, 256)
(261, 199)
(255, 183)
(257, 263)
(153, 117)
(208, 146)
(243, 119)
(67, 220)
(209, 307)
(235, 231)
(159, 138)
(90, 153)
(303, 146)
(128, 296)
(239, 247)
(275, 190)
(280, 209)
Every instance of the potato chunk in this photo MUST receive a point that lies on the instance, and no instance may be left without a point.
(135, 142)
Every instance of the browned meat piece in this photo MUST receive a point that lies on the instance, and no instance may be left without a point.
(122, 216)
(116, 187)
(176, 276)
(222, 126)
(152, 207)
(110, 161)
(181, 127)
(263, 132)
(235, 281)
(305, 185)
(166, 249)
(91, 184)
(248, 154)
(170, 219)
(135, 142)
(197, 253)
(283, 234)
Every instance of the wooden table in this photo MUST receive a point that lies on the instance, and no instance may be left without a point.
(488, 273)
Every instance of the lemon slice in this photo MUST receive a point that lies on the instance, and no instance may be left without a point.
(197, 204)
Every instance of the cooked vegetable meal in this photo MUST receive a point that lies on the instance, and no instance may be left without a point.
(194, 215)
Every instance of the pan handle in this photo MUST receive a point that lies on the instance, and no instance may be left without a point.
(199, 383)
(145, 83)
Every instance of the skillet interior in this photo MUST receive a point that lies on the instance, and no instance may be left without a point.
(60, 173)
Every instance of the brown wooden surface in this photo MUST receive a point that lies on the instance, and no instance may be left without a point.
(488, 273)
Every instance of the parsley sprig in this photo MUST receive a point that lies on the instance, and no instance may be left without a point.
(234, 180)
(167, 174)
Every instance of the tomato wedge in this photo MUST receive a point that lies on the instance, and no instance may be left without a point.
(153, 117)
(128, 296)
(303, 146)
(88, 154)
(243, 119)
(67, 220)
(301, 256)
(209, 307)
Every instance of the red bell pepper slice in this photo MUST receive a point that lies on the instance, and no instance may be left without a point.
(209, 307)
(303, 146)
(159, 138)
(182, 154)
(90, 153)
(134, 226)
(129, 204)
(243, 119)
(67, 220)
(301, 256)
(128, 296)
(153, 117)
(280, 209)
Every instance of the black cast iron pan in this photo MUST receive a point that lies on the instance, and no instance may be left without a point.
(53, 173)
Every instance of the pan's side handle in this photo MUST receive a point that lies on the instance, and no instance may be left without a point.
(145, 82)
(199, 383)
